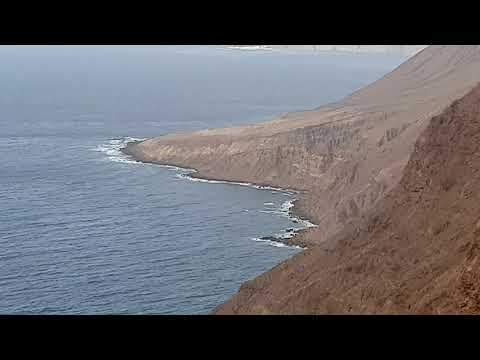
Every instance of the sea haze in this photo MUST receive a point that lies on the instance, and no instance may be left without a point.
(86, 230)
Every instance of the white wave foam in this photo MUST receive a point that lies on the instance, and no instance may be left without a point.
(276, 244)
(177, 168)
(258, 187)
(113, 150)
(190, 178)
(286, 210)
(286, 206)
(288, 234)
(269, 204)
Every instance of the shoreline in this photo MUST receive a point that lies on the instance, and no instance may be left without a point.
(293, 238)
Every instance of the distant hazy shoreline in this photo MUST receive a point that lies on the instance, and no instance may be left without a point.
(406, 50)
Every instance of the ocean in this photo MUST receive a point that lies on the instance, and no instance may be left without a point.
(86, 230)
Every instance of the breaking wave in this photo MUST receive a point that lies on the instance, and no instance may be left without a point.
(113, 150)
(277, 244)
(258, 187)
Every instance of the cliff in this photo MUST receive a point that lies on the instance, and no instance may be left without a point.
(344, 156)
(416, 251)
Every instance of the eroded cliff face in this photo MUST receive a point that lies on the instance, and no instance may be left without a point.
(417, 251)
(345, 156)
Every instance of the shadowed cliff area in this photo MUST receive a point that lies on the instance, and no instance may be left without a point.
(344, 156)
(416, 251)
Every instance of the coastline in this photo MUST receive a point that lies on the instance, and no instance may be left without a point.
(293, 237)
(362, 165)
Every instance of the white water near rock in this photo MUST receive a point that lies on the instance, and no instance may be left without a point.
(113, 150)
(277, 244)
(259, 187)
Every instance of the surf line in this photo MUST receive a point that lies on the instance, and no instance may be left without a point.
(285, 210)
(118, 144)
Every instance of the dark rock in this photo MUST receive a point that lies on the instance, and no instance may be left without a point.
(269, 238)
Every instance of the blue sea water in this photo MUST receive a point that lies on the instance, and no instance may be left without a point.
(84, 230)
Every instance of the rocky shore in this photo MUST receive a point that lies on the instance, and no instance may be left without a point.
(296, 237)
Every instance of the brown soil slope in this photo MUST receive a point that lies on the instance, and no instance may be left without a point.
(417, 251)
(345, 156)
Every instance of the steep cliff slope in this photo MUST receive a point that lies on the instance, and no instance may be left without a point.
(345, 156)
(417, 251)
